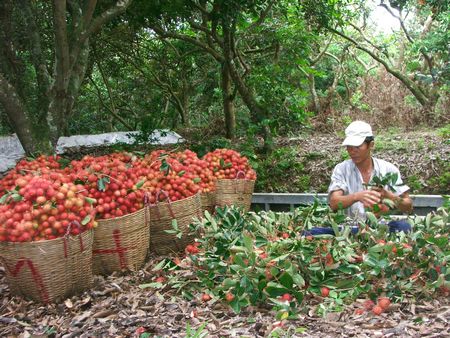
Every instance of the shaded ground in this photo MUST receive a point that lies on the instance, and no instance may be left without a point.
(116, 307)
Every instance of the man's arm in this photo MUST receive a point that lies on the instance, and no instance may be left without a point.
(367, 197)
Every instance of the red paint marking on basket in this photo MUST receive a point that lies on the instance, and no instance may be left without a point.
(34, 272)
(119, 250)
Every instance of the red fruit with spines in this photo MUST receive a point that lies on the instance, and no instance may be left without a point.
(324, 291)
(286, 297)
(160, 279)
(359, 311)
(229, 297)
(377, 310)
(206, 297)
(368, 304)
(192, 249)
(384, 303)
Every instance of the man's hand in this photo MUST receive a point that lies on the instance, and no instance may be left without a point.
(402, 202)
(384, 193)
(369, 197)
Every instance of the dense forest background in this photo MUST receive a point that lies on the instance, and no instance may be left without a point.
(241, 74)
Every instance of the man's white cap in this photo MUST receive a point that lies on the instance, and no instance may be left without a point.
(356, 133)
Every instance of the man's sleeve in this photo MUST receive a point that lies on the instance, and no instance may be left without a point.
(338, 180)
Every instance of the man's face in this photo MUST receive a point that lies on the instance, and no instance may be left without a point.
(361, 153)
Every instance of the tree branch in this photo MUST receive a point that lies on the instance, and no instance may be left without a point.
(165, 34)
(382, 50)
(95, 25)
(415, 90)
(261, 18)
(319, 56)
(113, 113)
(400, 20)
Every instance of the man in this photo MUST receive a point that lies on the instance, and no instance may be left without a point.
(348, 188)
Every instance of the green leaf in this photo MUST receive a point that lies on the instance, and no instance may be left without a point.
(86, 220)
(101, 183)
(275, 290)
(140, 184)
(154, 285)
(260, 241)
(182, 172)
(248, 243)
(4, 198)
(160, 265)
(372, 218)
(197, 180)
(286, 280)
(235, 305)
(90, 200)
(16, 197)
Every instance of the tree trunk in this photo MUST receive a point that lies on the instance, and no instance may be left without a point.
(18, 119)
(258, 113)
(228, 106)
(313, 92)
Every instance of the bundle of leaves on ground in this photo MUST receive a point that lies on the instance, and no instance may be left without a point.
(262, 259)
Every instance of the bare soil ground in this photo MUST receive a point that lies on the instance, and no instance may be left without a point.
(117, 307)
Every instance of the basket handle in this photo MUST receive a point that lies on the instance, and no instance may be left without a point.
(241, 173)
(236, 187)
(169, 202)
(146, 200)
(67, 234)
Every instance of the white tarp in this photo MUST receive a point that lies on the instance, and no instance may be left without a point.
(11, 151)
(72, 143)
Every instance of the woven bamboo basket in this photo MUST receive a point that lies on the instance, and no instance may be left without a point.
(121, 243)
(236, 192)
(50, 270)
(161, 215)
(208, 200)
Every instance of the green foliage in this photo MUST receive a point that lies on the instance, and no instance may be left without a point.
(441, 183)
(258, 257)
(414, 182)
(273, 169)
(202, 148)
(199, 333)
(356, 101)
(444, 132)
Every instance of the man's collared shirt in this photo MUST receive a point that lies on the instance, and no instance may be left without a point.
(347, 177)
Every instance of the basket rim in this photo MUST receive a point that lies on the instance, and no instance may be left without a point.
(120, 217)
(197, 195)
(235, 179)
(43, 241)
